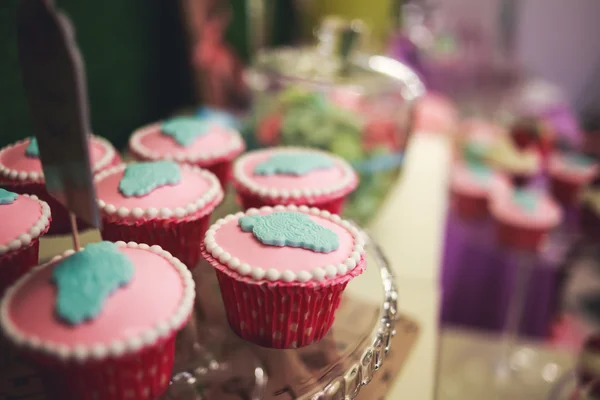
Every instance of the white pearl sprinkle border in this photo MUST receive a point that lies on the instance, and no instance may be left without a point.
(116, 348)
(213, 195)
(235, 146)
(346, 183)
(258, 273)
(35, 177)
(38, 229)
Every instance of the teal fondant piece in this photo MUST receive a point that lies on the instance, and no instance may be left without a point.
(300, 163)
(85, 280)
(142, 178)
(291, 229)
(222, 118)
(527, 200)
(579, 160)
(184, 130)
(32, 149)
(481, 172)
(7, 197)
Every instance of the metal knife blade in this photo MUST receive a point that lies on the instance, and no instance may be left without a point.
(54, 79)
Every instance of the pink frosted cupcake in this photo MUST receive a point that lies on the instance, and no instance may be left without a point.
(477, 139)
(24, 219)
(189, 140)
(282, 271)
(21, 172)
(523, 216)
(470, 185)
(569, 174)
(161, 202)
(101, 323)
(293, 175)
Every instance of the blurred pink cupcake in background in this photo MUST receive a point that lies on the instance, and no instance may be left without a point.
(24, 219)
(477, 138)
(282, 271)
(187, 139)
(470, 186)
(293, 175)
(21, 172)
(523, 216)
(101, 323)
(159, 203)
(569, 173)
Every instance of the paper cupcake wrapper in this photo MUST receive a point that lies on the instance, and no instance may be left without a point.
(280, 315)
(15, 264)
(181, 237)
(520, 238)
(470, 207)
(141, 376)
(333, 205)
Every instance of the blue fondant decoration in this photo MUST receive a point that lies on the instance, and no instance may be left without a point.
(32, 149)
(184, 130)
(213, 115)
(526, 199)
(142, 178)
(481, 172)
(87, 278)
(7, 197)
(296, 164)
(579, 160)
(291, 229)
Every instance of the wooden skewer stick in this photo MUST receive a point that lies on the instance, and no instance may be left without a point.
(74, 231)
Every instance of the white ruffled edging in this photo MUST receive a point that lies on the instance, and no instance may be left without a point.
(235, 145)
(116, 348)
(345, 183)
(38, 177)
(40, 226)
(258, 273)
(213, 195)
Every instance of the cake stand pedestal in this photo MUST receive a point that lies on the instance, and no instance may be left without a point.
(213, 363)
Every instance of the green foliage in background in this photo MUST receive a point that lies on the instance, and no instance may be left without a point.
(136, 62)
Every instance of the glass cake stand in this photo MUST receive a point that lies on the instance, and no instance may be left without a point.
(213, 363)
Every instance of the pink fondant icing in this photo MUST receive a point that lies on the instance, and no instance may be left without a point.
(152, 296)
(15, 158)
(216, 138)
(248, 249)
(18, 217)
(547, 214)
(317, 179)
(192, 187)
(464, 180)
(480, 131)
(560, 167)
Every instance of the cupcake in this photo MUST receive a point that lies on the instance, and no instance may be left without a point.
(470, 186)
(523, 216)
(478, 138)
(159, 203)
(569, 173)
(282, 271)
(520, 165)
(293, 175)
(101, 323)
(24, 219)
(209, 143)
(21, 172)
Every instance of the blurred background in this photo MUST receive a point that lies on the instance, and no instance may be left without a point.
(505, 88)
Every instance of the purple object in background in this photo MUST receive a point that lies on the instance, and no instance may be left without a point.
(478, 277)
